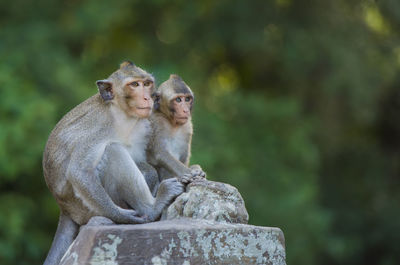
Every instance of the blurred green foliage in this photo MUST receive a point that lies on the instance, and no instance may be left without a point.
(297, 105)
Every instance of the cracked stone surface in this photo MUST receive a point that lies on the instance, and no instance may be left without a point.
(205, 225)
(182, 241)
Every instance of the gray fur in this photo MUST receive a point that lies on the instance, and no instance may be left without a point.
(179, 86)
(151, 176)
(169, 146)
(90, 166)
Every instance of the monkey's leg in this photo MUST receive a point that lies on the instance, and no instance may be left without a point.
(65, 234)
(150, 175)
(124, 182)
(85, 179)
(131, 185)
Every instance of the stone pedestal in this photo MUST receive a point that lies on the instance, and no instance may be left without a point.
(181, 241)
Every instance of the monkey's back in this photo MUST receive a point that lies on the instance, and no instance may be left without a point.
(78, 134)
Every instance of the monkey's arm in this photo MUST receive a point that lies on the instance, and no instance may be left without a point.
(174, 166)
(162, 158)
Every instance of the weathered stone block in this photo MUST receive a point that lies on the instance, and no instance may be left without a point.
(182, 241)
(209, 200)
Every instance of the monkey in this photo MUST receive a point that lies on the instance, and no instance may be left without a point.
(91, 156)
(151, 176)
(170, 144)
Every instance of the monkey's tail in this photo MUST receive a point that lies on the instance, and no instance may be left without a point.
(66, 232)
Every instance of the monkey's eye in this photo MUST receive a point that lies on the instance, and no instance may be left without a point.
(134, 84)
(187, 99)
(147, 83)
(178, 99)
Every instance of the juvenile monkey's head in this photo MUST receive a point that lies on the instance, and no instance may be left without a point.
(175, 99)
(130, 88)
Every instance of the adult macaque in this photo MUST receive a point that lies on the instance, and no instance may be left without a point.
(169, 147)
(90, 160)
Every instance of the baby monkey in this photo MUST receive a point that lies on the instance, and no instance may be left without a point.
(169, 148)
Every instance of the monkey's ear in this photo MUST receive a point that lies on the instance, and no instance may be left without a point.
(105, 89)
(156, 98)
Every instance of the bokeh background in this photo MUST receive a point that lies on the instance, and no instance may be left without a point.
(297, 105)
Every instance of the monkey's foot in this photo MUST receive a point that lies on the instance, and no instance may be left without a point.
(131, 217)
(172, 188)
(99, 220)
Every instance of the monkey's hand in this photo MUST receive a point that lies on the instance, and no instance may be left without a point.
(197, 172)
(130, 217)
(186, 178)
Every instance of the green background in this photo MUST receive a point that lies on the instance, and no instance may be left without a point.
(297, 105)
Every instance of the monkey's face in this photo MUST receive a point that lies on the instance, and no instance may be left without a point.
(136, 99)
(181, 108)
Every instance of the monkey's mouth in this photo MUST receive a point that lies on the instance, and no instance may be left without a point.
(148, 108)
(181, 118)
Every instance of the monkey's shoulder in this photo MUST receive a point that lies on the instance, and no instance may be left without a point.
(158, 119)
(83, 116)
(93, 103)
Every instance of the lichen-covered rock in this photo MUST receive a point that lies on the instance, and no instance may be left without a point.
(203, 226)
(209, 200)
(183, 241)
